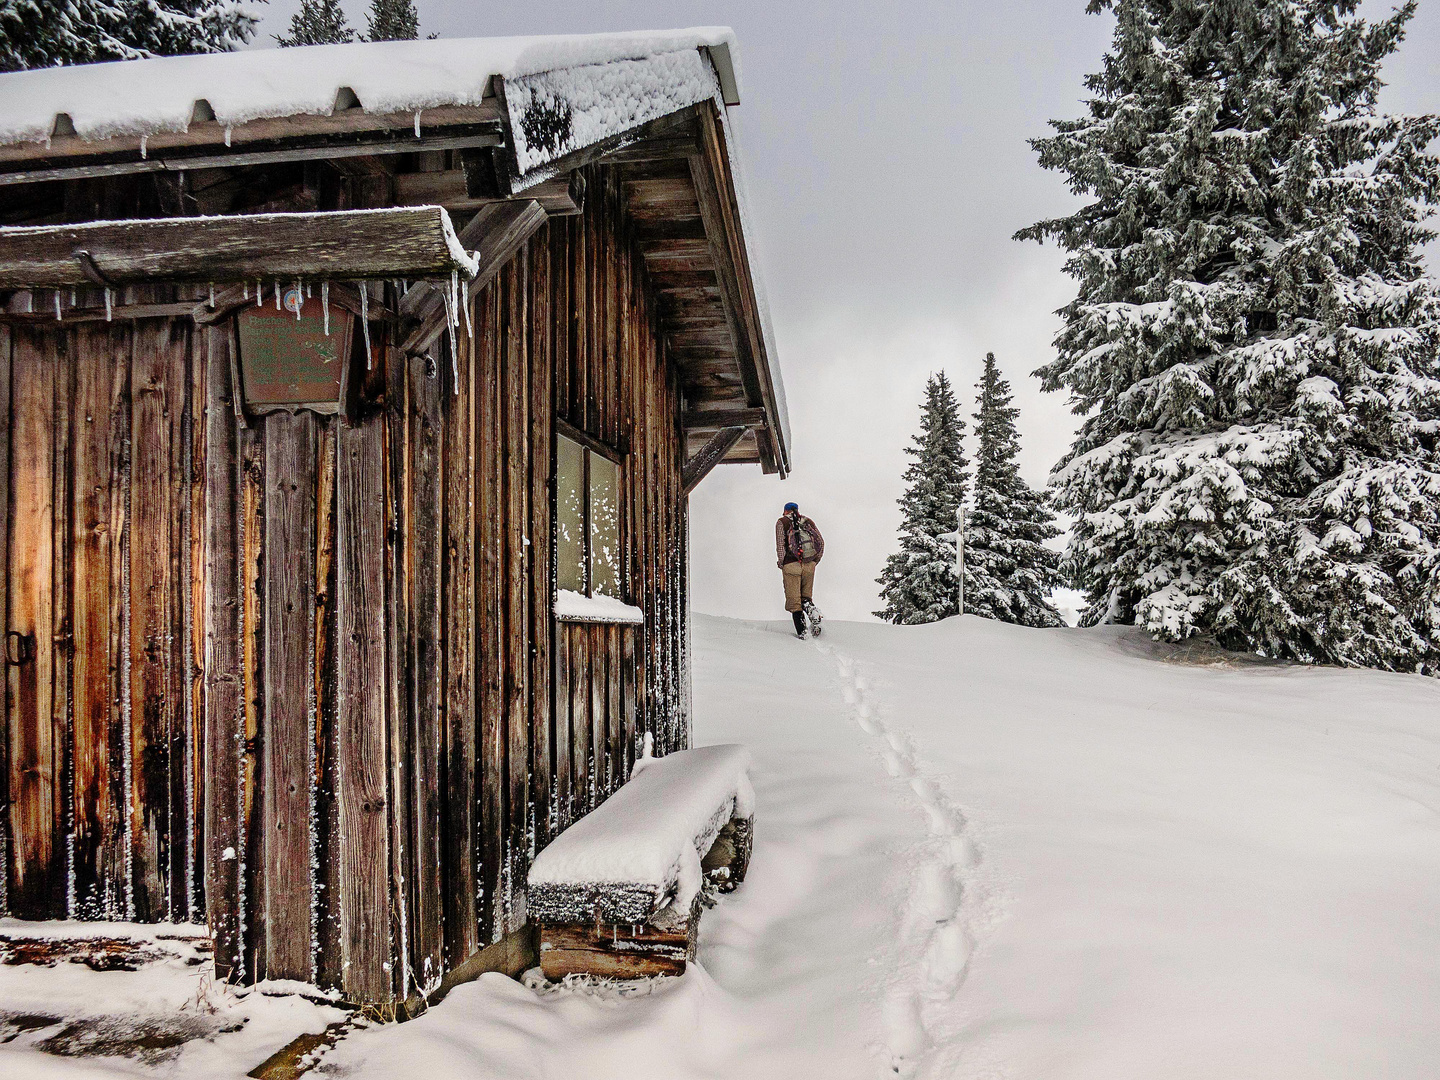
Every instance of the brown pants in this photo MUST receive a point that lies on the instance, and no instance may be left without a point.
(799, 583)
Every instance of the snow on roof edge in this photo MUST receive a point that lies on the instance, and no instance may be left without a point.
(147, 97)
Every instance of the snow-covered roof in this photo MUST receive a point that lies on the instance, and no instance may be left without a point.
(148, 97)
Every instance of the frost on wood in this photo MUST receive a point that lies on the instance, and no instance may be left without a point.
(642, 848)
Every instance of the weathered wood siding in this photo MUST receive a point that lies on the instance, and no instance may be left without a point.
(105, 500)
(301, 676)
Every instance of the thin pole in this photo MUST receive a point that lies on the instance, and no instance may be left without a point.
(960, 558)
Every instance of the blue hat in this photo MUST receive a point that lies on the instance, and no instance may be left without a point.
(791, 506)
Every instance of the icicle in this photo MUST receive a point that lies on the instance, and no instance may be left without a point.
(143, 140)
(469, 326)
(227, 134)
(277, 294)
(365, 322)
(74, 298)
(58, 317)
(212, 296)
(299, 299)
(259, 291)
(450, 329)
(325, 304)
(109, 310)
(309, 289)
(417, 123)
(247, 290)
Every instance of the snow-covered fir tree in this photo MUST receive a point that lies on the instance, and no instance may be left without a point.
(46, 33)
(918, 583)
(318, 22)
(392, 20)
(1254, 344)
(1009, 572)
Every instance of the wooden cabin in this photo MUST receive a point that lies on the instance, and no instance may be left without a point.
(354, 397)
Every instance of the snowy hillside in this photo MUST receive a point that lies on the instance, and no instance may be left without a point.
(1154, 869)
(989, 851)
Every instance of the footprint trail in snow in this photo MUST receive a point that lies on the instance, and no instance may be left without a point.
(935, 942)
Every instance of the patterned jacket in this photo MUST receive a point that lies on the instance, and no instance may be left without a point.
(798, 542)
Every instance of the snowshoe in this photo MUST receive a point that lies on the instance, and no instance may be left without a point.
(813, 617)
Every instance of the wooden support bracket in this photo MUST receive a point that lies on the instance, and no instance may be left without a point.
(710, 455)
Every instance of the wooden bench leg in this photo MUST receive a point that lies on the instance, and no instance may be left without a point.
(730, 853)
(662, 946)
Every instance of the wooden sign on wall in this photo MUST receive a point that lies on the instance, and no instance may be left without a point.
(292, 363)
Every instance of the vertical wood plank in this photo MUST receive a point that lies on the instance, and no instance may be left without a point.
(36, 885)
(582, 788)
(6, 716)
(424, 540)
(541, 576)
(580, 385)
(251, 449)
(61, 596)
(195, 641)
(179, 720)
(517, 620)
(562, 736)
(360, 718)
(600, 762)
(458, 827)
(224, 711)
(630, 733)
(560, 231)
(614, 243)
(614, 720)
(151, 592)
(289, 622)
(97, 833)
(397, 651)
(329, 950)
(490, 506)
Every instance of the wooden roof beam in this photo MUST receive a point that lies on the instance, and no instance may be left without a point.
(563, 196)
(347, 133)
(716, 419)
(340, 245)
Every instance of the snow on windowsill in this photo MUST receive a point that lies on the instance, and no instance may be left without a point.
(576, 607)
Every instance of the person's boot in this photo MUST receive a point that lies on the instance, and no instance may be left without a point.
(799, 623)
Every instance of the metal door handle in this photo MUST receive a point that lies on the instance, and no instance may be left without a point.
(17, 648)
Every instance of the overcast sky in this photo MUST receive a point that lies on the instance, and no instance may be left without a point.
(888, 167)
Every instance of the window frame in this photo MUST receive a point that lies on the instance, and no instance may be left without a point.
(588, 445)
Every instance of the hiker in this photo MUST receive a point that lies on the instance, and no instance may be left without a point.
(799, 547)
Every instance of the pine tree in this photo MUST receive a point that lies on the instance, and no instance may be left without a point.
(393, 20)
(46, 33)
(1009, 572)
(918, 583)
(318, 22)
(1254, 343)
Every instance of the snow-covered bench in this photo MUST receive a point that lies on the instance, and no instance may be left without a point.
(618, 893)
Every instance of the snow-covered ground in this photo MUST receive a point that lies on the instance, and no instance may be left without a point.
(987, 851)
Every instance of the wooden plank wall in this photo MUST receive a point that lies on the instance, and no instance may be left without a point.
(303, 676)
(105, 507)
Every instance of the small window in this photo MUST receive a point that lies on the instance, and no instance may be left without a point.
(588, 555)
